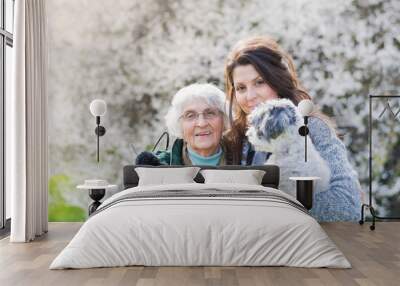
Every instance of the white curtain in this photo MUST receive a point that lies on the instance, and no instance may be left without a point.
(26, 121)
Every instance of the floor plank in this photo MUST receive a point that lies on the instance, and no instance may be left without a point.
(374, 255)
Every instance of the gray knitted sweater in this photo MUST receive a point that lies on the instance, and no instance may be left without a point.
(342, 201)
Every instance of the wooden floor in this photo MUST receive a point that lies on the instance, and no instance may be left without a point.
(374, 255)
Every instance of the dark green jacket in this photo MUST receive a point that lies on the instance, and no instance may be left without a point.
(177, 157)
(173, 157)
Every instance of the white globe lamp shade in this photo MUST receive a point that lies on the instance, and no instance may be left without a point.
(98, 107)
(305, 107)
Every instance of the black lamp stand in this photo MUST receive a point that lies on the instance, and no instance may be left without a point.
(304, 193)
(100, 131)
(303, 131)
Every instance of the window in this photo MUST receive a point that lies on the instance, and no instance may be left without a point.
(6, 44)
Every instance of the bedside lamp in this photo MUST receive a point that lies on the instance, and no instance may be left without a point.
(97, 188)
(98, 108)
(305, 107)
(304, 185)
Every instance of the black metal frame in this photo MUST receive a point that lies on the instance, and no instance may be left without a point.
(369, 206)
(6, 38)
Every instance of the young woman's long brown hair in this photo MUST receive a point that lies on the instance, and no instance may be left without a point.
(276, 67)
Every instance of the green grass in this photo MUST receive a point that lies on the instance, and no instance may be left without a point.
(66, 212)
(59, 208)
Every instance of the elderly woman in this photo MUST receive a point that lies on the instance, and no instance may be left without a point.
(197, 118)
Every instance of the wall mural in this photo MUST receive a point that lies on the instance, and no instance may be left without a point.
(136, 54)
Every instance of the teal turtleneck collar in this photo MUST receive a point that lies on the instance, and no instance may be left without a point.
(197, 159)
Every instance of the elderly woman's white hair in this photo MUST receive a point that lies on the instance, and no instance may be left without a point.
(206, 92)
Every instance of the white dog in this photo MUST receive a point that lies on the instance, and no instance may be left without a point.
(273, 128)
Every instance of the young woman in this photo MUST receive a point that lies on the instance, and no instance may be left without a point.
(258, 70)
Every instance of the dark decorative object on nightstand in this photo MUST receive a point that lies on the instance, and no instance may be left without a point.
(96, 195)
(304, 193)
(304, 190)
(97, 190)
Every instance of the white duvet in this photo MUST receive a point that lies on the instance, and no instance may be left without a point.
(183, 231)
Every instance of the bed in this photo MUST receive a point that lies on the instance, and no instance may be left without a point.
(201, 223)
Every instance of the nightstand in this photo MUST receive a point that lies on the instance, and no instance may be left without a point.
(96, 192)
(304, 190)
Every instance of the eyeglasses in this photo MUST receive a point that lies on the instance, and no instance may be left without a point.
(208, 114)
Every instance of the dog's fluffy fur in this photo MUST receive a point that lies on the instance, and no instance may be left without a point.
(274, 128)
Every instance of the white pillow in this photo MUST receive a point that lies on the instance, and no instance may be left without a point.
(249, 177)
(163, 176)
